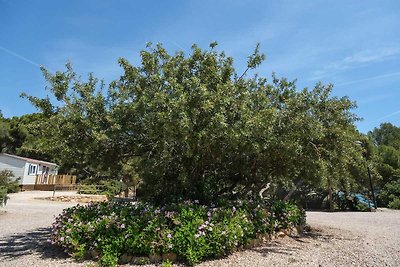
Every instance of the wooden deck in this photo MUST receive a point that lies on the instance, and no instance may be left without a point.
(50, 181)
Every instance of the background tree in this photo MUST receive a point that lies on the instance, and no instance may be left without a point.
(387, 140)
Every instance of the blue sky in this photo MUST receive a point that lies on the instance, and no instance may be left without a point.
(353, 44)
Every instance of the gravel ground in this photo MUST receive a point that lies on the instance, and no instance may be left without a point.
(336, 239)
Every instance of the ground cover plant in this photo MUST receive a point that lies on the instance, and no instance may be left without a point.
(192, 231)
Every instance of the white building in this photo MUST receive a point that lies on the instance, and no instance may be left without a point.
(26, 169)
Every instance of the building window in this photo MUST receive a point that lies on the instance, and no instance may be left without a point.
(32, 169)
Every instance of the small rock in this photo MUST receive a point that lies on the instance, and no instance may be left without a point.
(95, 254)
(249, 245)
(294, 232)
(170, 256)
(125, 258)
(280, 234)
(155, 258)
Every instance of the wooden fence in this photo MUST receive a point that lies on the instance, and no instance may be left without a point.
(52, 179)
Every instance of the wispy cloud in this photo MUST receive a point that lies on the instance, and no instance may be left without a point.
(370, 56)
(27, 60)
(358, 59)
(387, 75)
(387, 116)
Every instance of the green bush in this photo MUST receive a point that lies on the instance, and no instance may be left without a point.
(191, 230)
(90, 189)
(7, 181)
(395, 204)
(110, 188)
(362, 207)
(7, 185)
(3, 196)
(389, 196)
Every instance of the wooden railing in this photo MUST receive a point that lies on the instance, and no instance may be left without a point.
(52, 179)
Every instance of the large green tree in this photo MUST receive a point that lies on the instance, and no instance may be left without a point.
(195, 128)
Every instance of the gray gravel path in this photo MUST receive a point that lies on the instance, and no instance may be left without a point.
(336, 239)
(25, 229)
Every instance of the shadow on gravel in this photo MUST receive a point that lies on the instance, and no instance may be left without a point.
(286, 246)
(315, 234)
(35, 241)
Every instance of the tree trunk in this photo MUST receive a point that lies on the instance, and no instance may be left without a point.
(330, 199)
(299, 183)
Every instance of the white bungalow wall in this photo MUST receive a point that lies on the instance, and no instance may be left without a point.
(31, 178)
(20, 169)
(17, 166)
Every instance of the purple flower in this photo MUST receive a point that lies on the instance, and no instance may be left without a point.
(122, 225)
(169, 236)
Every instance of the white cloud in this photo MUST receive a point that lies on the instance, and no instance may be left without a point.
(387, 75)
(17, 55)
(387, 116)
(357, 60)
(371, 56)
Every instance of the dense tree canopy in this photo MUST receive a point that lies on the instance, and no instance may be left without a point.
(192, 127)
(387, 140)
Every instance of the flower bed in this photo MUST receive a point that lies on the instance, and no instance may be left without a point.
(188, 231)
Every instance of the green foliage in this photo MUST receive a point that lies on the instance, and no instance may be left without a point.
(166, 263)
(395, 204)
(387, 134)
(193, 231)
(191, 127)
(362, 207)
(18, 136)
(3, 196)
(387, 140)
(390, 194)
(7, 185)
(90, 189)
(7, 180)
(110, 188)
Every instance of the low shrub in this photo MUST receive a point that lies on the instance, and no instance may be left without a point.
(7, 185)
(110, 188)
(394, 204)
(389, 196)
(3, 196)
(90, 189)
(192, 231)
